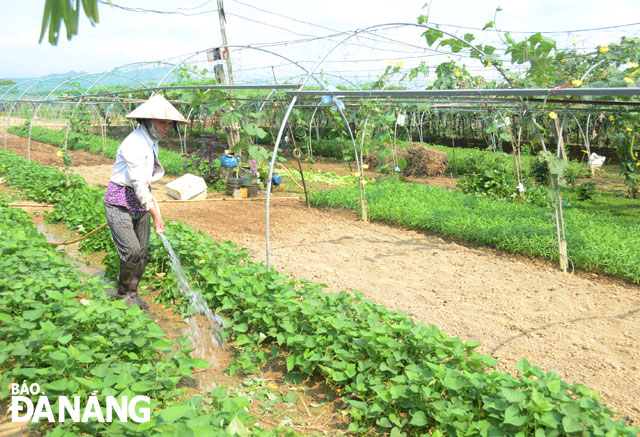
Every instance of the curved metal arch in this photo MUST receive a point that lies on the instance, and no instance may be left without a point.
(35, 114)
(112, 72)
(245, 47)
(15, 102)
(462, 40)
(279, 138)
(38, 82)
(17, 85)
(70, 80)
(66, 137)
(310, 74)
(286, 116)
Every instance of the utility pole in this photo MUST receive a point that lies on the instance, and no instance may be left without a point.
(233, 134)
(223, 19)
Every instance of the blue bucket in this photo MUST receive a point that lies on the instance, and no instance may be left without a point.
(228, 161)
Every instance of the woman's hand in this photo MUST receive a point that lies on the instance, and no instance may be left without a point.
(158, 223)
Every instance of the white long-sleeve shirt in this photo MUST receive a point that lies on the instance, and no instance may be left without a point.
(134, 166)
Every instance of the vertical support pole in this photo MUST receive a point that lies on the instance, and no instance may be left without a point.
(233, 131)
(557, 205)
(222, 20)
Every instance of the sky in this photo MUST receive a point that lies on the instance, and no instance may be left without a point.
(124, 37)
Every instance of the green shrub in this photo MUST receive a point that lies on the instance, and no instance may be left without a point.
(585, 191)
(330, 148)
(539, 171)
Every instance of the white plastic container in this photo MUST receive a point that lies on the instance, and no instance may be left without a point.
(188, 187)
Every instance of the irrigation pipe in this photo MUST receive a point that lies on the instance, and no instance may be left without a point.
(290, 175)
(30, 205)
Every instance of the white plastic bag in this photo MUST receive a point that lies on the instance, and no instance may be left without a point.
(595, 162)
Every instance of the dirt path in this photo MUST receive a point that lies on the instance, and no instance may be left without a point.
(584, 327)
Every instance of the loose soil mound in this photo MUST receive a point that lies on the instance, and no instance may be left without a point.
(421, 161)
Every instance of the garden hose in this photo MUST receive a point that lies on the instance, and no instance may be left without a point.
(64, 243)
(99, 228)
(290, 175)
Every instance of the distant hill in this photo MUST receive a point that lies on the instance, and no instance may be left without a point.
(68, 74)
(48, 76)
(133, 76)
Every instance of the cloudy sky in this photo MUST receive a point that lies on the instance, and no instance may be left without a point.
(124, 37)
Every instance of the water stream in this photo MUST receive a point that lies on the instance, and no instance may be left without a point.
(206, 326)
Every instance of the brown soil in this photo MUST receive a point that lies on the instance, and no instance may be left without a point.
(582, 326)
(47, 154)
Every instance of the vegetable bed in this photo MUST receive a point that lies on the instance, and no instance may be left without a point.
(397, 376)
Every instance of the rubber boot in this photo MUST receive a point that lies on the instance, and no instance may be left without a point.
(133, 297)
(141, 266)
(127, 272)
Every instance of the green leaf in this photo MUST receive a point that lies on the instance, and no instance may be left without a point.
(231, 117)
(46, 17)
(57, 385)
(236, 427)
(175, 412)
(290, 397)
(385, 422)
(513, 396)
(140, 387)
(523, 365)
(571, 424)
(453, 383)
(291, 362)
(161, 343)
(84, 358)
(395, 432)
(253, 129)
(432, 35)
(33, 314)
(418, 419)
(91, 384)
(58, 355)
(512, 416)
(65, 339)
(489, 25)
(242, 340)
(548, 419)
(199, 363)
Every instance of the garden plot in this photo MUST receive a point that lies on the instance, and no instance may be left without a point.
(270, 397)
(582, 326)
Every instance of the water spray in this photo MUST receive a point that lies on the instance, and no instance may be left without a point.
(205, 334)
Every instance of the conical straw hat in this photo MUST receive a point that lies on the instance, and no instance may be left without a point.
(158, 108)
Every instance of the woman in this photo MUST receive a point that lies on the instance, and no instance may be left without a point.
(128, 201)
